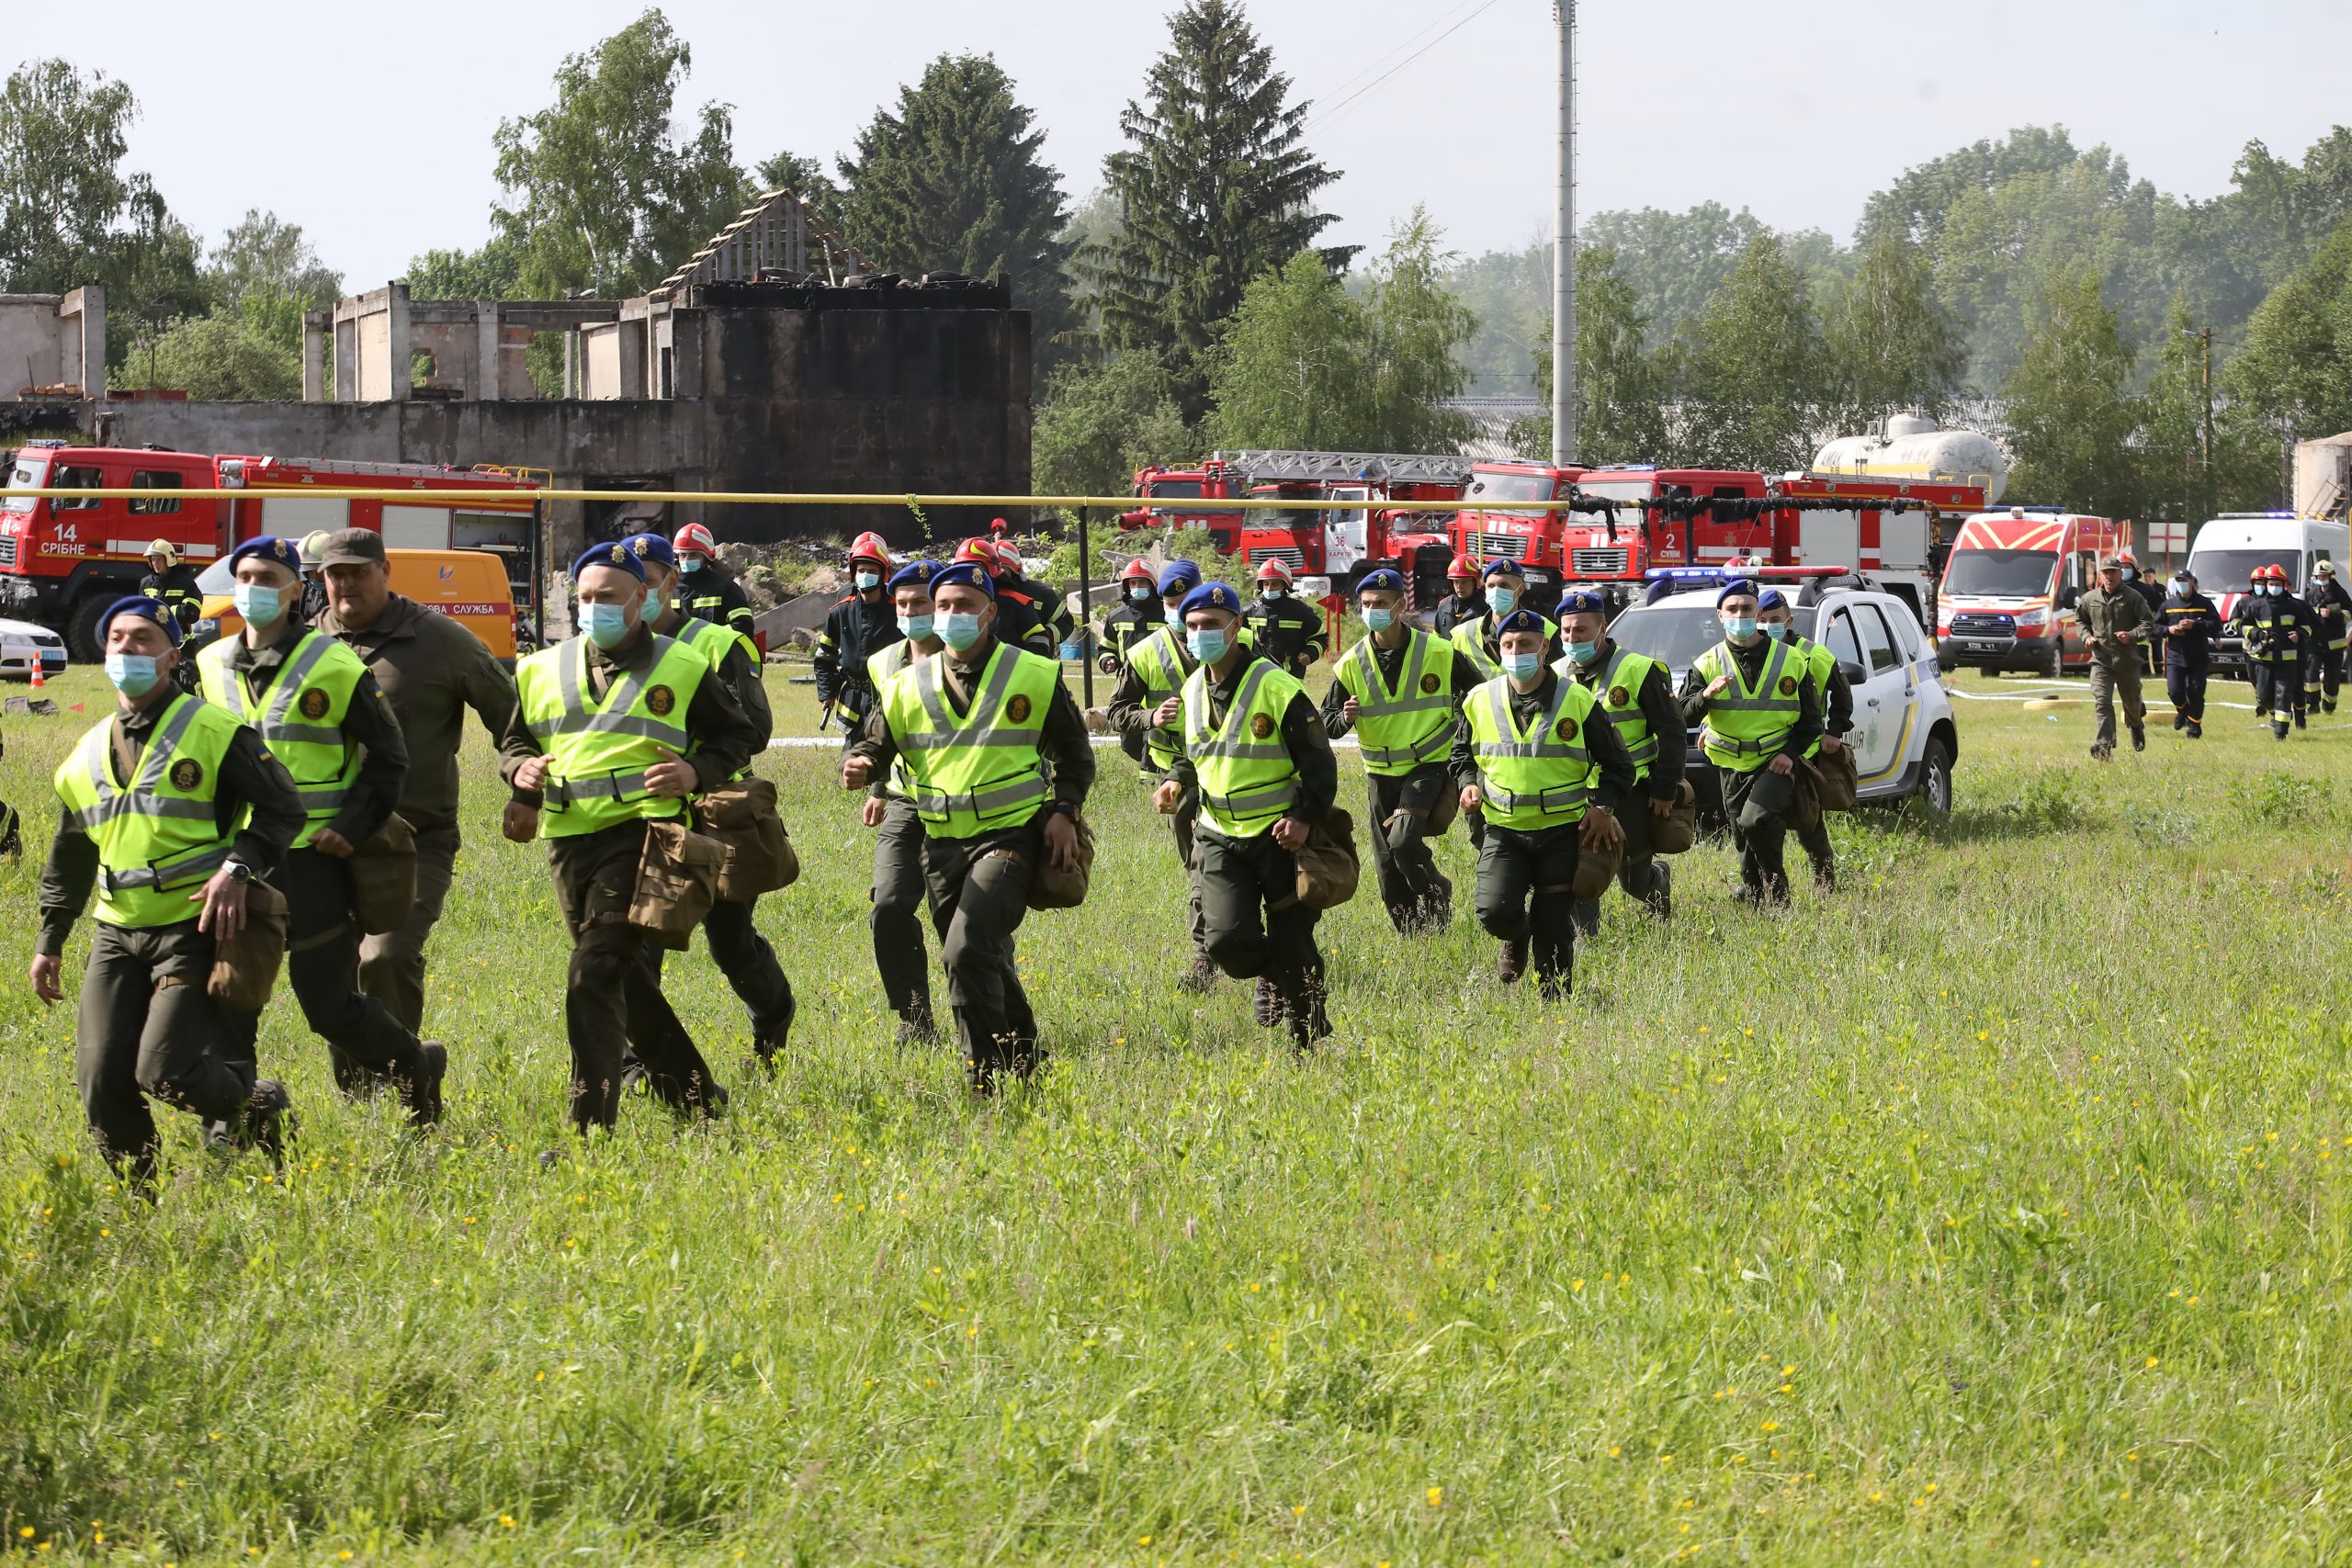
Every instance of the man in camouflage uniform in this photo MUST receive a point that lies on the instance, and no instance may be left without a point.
(2115, 623)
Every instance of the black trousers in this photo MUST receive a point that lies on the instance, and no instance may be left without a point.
(979, 891)
(753, 971)
(1257, 929)
(1416, 893)
(1525, 883)
(322, 965)
(1183, 825)
(391, 966)
(2185, 684)
(147, 1029)
(2279, 690)
(1757, 804)
(897, 917)
(1639, 874)
(2328, 663)
(613, 994)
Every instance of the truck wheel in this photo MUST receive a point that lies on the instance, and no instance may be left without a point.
(1935, 779)
(2054, 663)
(83, 630)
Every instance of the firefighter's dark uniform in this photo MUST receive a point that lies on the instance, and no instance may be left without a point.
(1453, 610)
(1255, 752)
(983, 802)
(1636, 693)
(317, 707)
(2332, 618)
(858, 627)
(179, 781)
(2105, 618)
(175, 588)
(710, 592)
(1289, 635)
(1769, 711)
(1136, 618)
(1026, 621)
(1406, 698)
(2277, 634)
(1050, 608)
(599, 718)
(2190, 622)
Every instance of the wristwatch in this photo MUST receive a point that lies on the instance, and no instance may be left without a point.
(238, 870)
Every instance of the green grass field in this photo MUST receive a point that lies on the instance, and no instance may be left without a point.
(1991, 1211)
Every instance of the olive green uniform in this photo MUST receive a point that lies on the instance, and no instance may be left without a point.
(1416, 894)
(1650, 701)
(1756, 800)
(2104, 618)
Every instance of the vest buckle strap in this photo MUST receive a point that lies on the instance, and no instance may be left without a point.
(1252, 803)
(561, 793)
(174, 872)
(1557, 797)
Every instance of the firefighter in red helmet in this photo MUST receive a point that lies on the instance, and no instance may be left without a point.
(1468, 599)
(860, 624)
(1137, 617)
(707, 590)
(1289, 635)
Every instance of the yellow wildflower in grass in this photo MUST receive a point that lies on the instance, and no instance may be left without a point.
(1436, 1495)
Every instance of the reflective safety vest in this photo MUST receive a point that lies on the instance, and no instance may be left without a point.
(1821, 663)
(880, 665)
(1616, 686)
(1747, 725)
(299, 716)
(1470, 640)
(1247, 778)
(1160, 663)
(1412, 725)
(158, 839)
(984, 770)
(598, 753)
(715, 642)
(1537, 777)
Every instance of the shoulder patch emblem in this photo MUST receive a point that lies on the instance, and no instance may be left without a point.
(313, 704)
(1261, 725)
(186, 773)
(1017, 710)
(1619, 697)
(1429, 684)
(1566, 728)
(1788, 685)
(659, 700)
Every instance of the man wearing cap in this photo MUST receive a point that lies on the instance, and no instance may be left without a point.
(171, 583)
(2115, 623)
(889, 807)
(2331, 619)
(1466, 602)
(1287, 634)
(1020, 619)
(2277, 629)
(1536, 757)
(1145, 706)
(859, 625)
(1397, 690)
(431, 669)
(1478, 640)
(743, 954)
(1836, 696)
(1256, 759)
(1635, 694)
(710, 592)
(170, 808)
(1758, 716)
(2190, 623)
(998, 760)
(317, 708)
(613, 728)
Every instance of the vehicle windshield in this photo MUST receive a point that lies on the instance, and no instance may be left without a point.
(218, 581)
(2231, 571)
(1489, 489)
(1619, 490)
(1674, 635)
(27, 473)
(2001, 574)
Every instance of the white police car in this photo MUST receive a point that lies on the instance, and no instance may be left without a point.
(24, 645)
(1903, 738)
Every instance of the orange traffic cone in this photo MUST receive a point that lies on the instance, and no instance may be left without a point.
(38, 681)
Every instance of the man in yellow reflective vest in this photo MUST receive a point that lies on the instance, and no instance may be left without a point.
(170, 808)
(613, 728)
(1146, 704)
(1255, 756)
(1476, 640)
(317, 707)
(890, 808)
(1758, 717)
(1398, 691)
(1635, 694)
(999, 762)
(1835, 695)
(1535, 756)
(743, 954)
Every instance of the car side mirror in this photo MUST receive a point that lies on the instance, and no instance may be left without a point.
(1855, 674)
(2066, 598)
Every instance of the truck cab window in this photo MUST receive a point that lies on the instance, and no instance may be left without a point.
(75, 478)
(154, 505)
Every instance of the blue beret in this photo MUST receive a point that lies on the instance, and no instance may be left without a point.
(916, 574)
(1737, 588)
(619, 555)
(963, 574)
(651, 547)
(1178, 577)
(1582, 604)
(269, 547)
(1211, 596)
(1522, 621)
(1771, 599)
(1503, 566)
(1383, 578)
(146, 609)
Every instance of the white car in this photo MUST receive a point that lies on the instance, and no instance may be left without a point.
(1903, 738)
(23, 644)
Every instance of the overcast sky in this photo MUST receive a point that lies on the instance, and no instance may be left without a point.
(371, 127)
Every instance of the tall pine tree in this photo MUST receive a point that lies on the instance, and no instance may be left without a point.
(1214, 188)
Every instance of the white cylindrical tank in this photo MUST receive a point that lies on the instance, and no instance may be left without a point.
(1913, 448)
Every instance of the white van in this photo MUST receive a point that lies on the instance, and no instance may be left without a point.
(2229, 548)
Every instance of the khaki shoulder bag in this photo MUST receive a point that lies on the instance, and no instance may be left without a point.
(1327, 867)
(677, 881)
(1052, 890)
(1836, 783)
(1678, 829)
(245, 967)
(744, 818)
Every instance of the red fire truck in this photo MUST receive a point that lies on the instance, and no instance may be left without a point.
(1170, 489)
(63, 560)
(1535, 540)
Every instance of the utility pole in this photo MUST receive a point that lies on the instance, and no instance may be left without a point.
(2206, 339)
(1563, 247)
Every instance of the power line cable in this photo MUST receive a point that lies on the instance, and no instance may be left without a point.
(1337, 109)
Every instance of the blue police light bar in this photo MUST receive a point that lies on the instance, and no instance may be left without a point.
(1700, 574)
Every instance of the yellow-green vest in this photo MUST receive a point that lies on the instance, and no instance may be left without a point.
(984, 770)
(1470, 640)
(1746, 726)
(158, 837)
(880, 665)
(1247, 778)
(598, 753)
(300, 716)
(1616, 686)
(1820, 663)
(1538, 777)
(714, 643)
(1412, 726)
(1161, 663)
